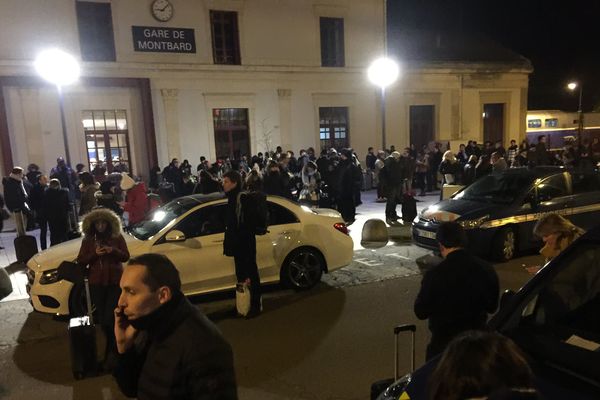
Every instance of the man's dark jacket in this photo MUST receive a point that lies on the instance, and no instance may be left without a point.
(56, 208)
(179, 354)
(456, 295)
(14, 194)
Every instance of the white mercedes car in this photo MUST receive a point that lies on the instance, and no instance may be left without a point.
(302, 243)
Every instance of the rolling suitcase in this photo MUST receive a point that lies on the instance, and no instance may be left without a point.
(25, 245)
(82, 338)
(380, 387)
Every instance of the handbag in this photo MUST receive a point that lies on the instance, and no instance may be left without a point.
(242, 298)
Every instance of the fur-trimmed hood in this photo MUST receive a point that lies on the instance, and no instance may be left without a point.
(101, 214)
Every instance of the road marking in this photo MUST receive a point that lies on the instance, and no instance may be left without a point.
(396, 255)
(367, 262)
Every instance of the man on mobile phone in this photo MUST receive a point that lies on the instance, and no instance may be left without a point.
(168, 349)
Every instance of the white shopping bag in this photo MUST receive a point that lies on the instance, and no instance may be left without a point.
(242, 298)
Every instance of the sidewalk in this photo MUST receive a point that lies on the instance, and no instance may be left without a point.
(8, 259)
(370, 209)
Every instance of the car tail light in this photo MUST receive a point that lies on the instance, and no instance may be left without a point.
(340, 226)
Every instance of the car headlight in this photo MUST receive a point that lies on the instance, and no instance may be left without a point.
(48, 277)
(473, 223)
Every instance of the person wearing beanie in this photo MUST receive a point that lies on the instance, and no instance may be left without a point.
(136, 199)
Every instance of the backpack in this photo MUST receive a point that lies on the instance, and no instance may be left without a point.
(252, 213)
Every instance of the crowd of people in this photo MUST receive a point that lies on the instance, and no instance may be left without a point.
(144, 298)
(333, 179)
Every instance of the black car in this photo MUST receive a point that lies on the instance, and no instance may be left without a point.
(554, 319)
(500, 210)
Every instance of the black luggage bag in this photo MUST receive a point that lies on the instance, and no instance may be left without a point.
(380, 387)
(82, 338)
(25, 245)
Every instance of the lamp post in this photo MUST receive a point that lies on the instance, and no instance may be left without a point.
(572, 86)
(60, 69)
(383, 72)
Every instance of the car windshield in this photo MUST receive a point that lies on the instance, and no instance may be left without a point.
(160, 217)
(497, 188)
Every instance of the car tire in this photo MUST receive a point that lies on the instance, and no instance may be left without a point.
(77, 301)
(302, 269)
(504, 245)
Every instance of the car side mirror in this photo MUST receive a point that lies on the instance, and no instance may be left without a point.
(506, 297)
(175, 236)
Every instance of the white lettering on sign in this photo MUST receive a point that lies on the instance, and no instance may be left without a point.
(367, 262)
(157, 33)
(154, 45)
(178, 34)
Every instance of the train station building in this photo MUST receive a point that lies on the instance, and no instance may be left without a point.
(182, 79)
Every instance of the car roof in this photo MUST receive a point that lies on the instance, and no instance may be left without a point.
(535, 171)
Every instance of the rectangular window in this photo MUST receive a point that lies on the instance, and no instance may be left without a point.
(225, 37)
(534, 123)
(551, 122)
(232, 132)
(333, 127)
(106, 140)
(96, 38)
(332, 42)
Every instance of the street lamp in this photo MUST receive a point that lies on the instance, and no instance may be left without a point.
(60, 69)
(572, 86)
(383, 72)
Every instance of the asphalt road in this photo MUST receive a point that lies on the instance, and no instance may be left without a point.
(331, 342)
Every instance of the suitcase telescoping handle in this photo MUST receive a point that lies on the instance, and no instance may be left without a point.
(88, 297)
(397, 330)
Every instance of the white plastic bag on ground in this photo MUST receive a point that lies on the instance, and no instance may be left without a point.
(242, 298)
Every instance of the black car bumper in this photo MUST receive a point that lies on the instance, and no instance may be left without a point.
(480, 240)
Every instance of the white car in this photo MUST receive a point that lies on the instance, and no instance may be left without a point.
(302, 243)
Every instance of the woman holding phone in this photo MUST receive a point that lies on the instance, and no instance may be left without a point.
(102, 252)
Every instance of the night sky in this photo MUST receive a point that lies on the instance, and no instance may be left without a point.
(562, 41)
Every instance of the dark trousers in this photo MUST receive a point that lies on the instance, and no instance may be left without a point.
(432, 183)
(246, 268)
(420, 176)
(43, 223)
(347, 208)
(394, 194)
(104, 301)
(58, 232)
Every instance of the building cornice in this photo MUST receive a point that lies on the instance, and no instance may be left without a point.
(150, 70)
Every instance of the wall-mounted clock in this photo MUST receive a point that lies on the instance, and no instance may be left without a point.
(162, 10)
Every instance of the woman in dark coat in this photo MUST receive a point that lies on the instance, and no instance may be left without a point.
(103, 250)
(106, 197)
(469, 170)
(88, 190)
(207, 184)
(484, 167)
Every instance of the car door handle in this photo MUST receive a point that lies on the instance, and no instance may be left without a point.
(285, 233)
(218, 241)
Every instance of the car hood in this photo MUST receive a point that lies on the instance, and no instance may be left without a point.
(450, 210)
(67, 251)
